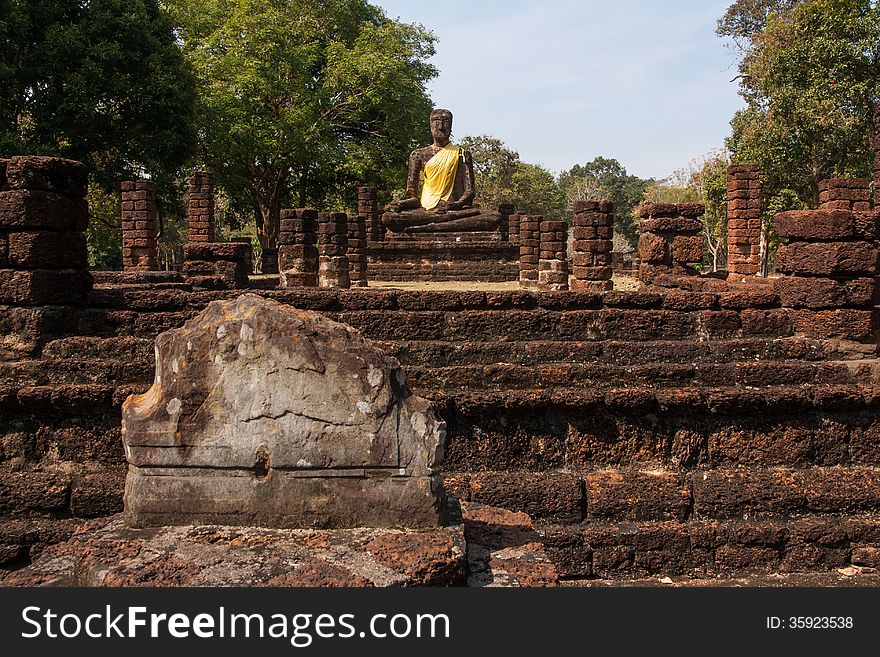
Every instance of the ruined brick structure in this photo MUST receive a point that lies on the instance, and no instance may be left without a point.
(513, 226)
(368, 208)
(139, 222)
(670, 242)
(356, 250)
(201, 207)
(207, 263)
(726, 430)
(332, 244)
(743, 219)
(876, 144)
(43, 217)
(297, 248)
(845, 194)
(529, 249)
(592, 230)
(553, 256)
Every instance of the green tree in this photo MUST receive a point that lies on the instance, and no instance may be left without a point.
(607, 178)
(809, 78)
(500, 176)
(100, 81)
(300, 101)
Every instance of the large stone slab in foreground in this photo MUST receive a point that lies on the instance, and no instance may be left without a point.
(261, 414)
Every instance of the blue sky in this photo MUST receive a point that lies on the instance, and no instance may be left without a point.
(563, 81)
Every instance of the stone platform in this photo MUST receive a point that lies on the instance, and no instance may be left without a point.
(475, 256)
(484, 547)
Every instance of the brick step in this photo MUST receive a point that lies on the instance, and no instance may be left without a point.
(716, 427)
(500, 377)
(441, 353)
(635, 495)
(51, 433)
(712, 548)
(75, 371)
(100, 278)
(72, 490)
(126, 348)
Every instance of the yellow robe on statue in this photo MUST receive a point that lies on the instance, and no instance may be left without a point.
(440, 176)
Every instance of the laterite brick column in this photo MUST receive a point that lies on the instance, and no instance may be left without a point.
(845, 194)
(43, 217)
(830, 267)
(357, 251)
(670, 241)
(368, 207)
(332, 245)
(513, 226)
(201, 207)
(297, 248)
(592, 228)
(529, 249)
(506, 211)
(139, 218)
(553, 256)
(876, 144)
(744, 219)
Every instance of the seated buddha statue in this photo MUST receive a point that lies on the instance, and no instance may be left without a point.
(447, 196)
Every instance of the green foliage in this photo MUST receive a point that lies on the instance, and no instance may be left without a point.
(103, 235)
(501, 177)
(300, 101)
(100, 81)
(605, 178)
(809, 78)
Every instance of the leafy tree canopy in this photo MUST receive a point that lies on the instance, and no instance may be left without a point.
(301, 101)
(809, 78)
(607, 178)
(101, 81)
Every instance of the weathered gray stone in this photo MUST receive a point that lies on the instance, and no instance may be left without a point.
(261, 414)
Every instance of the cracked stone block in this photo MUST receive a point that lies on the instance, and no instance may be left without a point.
(264, 415)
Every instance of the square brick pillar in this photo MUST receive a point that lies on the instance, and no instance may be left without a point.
(845, 194)
(297, 248)
(830, 272)
(553, 256)
(670, 242)
(43, 218)
(357, 250)
(743, 219)
(201, 207)
(592, 228)
(529, 249)
(139, 219)
(876, 145)
(332, 245)
(368, 207)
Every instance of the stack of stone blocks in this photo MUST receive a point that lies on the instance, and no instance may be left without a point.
(357, 250)
(368, 208)
(513, 226)
(207, 263)
(139, 219)
(670, 241)
(592, 229)
(876, 144)
(553, 256)
(43, 217)
(297, 248)
(830, 268)
(529, 249)
(744, 219)
(332, 245)
(845, 194)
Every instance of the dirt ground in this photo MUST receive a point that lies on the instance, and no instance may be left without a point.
(622, 282)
